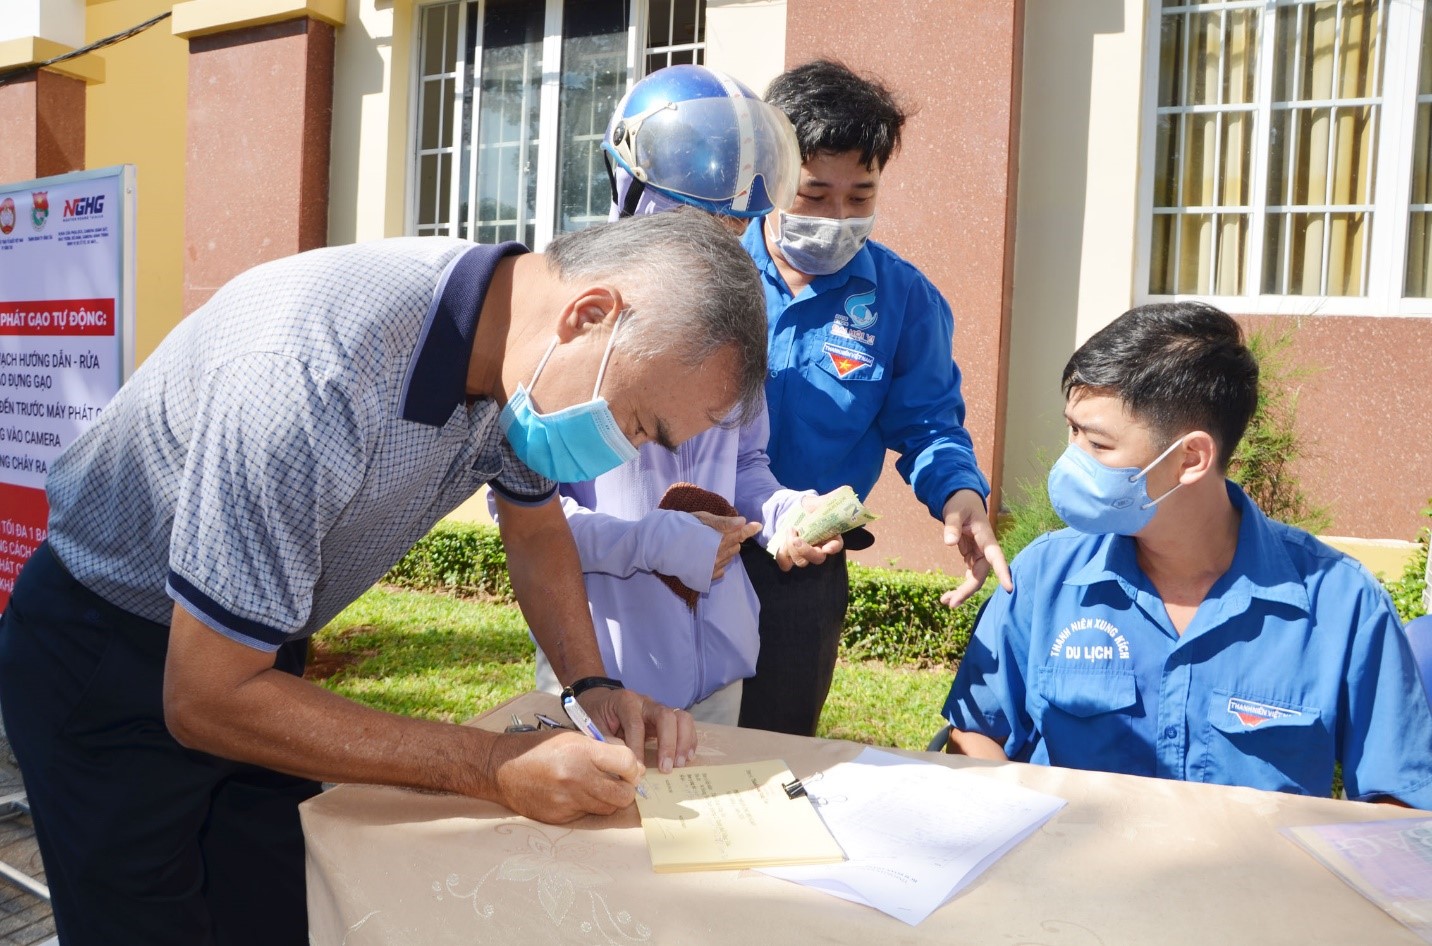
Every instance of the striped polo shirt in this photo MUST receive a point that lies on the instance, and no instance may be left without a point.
(289, 441)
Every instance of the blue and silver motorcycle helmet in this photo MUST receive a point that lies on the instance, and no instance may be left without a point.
(692, 135)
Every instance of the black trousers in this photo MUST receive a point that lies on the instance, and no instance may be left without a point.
(802, 613)
(143, 841)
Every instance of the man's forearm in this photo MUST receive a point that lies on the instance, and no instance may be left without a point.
(546, 576)
(974, 745)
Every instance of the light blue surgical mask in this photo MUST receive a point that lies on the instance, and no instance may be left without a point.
(575, 444)
(819, 246)
(1103, 500)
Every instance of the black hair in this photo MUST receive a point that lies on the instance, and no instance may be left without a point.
(835, 111)
(1177, 366)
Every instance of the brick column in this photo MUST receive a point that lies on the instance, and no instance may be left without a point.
(260, 115)
(42, 111)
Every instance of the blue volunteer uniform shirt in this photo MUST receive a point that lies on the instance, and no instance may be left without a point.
(1294, 661)
(289, 441)
(860, 362)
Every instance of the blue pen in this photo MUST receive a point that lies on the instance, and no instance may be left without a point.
(584, 723)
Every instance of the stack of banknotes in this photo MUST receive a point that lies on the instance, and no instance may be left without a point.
(838, 511)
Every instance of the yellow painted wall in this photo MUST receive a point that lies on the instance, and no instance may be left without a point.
(137, 116)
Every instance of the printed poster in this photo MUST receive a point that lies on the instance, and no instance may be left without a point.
(66, 333)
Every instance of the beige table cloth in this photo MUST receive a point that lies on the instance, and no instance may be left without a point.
(1128, 861)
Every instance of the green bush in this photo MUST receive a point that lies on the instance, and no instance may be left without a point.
(896, 617)
(1409, 593)
(463, 558)
(1271, 447)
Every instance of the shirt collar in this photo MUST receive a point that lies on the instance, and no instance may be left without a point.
(862, 266)
(1261, 566)
(436, 381)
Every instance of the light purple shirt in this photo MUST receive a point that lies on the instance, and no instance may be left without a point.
(648, 637)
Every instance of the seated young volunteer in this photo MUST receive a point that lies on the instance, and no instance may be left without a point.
(860, 360)
(676, 140)
(1174, 630)
(276, 454)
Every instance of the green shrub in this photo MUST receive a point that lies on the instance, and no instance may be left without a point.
(1409, 593)
(1270, 448)
(896, 616)
(464, 558)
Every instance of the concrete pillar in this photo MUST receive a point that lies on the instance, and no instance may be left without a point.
(42, 108)
(260, 115)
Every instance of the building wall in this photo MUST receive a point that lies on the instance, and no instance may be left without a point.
(747, 39)
(945, 200)
(1363, 409)
(137, 116)
(1075, 228)
(371, 88)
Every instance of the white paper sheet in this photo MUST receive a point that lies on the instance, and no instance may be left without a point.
(915, 833)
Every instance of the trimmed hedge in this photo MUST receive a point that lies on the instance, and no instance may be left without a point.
(462, 558)
(894, 616)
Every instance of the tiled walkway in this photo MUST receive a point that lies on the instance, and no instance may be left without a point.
(25, 918)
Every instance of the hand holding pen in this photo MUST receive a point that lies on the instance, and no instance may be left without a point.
(634, 719)
(584, 724)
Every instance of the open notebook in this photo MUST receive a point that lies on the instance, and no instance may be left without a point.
(727, 817)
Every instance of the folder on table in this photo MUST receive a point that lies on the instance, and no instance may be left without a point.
(728, 817)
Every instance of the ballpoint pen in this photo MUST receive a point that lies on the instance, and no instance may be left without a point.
(584, 724)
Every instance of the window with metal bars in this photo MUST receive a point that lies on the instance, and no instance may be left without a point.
(1290, 154)
(513, 99)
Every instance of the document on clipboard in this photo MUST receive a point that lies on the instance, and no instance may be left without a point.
(915, 833)
(729, 817)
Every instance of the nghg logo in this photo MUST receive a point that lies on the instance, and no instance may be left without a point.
(79, 207)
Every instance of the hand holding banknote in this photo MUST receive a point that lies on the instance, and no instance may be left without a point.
(811, 531)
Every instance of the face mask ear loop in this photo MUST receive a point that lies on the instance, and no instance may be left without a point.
(542, 364)
(611, 343)
(1145, 472)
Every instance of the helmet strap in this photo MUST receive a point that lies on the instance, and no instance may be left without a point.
(625, 208)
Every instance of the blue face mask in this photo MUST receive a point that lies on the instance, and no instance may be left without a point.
(573, 445)
(1103, 500)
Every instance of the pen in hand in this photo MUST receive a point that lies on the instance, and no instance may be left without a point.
(584, 724)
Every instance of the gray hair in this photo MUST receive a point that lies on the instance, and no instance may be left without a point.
(688, 285)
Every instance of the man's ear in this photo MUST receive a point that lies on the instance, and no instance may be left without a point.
(1199, 456)
(588, 306)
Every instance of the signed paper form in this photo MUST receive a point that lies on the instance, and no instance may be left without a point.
(915, 833)
(725, 817)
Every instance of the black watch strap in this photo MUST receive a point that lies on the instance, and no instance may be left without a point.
(578, 687)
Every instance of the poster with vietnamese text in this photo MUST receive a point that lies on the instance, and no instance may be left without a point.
(66, 332)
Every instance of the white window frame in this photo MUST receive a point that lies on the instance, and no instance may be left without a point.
(1387, 248)
(548, 158)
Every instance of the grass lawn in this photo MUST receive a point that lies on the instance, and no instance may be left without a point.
(448, 658)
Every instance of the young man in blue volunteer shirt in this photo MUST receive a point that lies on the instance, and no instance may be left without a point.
(1173, 630)
(860, 360)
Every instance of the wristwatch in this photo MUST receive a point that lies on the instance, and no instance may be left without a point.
(578, 687)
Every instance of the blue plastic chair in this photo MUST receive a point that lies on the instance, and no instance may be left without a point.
(1419, 635)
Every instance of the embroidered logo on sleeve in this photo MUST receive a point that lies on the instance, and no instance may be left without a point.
(846, 360)
(1253, 714)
